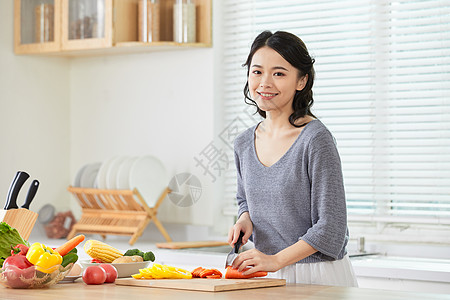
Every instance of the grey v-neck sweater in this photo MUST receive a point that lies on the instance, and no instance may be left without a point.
(301, 196)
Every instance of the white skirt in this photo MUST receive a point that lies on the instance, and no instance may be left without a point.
(336, 273)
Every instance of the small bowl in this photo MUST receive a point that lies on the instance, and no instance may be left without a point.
(123, 270)
(31, 278)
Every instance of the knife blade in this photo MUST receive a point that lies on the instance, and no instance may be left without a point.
(31, 193)
(234, 252)
(16, 185)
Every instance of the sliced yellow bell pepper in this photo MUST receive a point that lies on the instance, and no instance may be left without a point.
(178, 273)
(44, 258)
(158, 271)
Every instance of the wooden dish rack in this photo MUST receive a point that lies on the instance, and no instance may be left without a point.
(115, 212)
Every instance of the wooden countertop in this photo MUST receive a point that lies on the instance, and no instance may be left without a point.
(79, 290)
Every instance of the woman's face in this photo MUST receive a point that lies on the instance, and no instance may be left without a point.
(273, 81)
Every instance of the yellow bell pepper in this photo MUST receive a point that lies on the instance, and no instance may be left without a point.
(158, 271)
(44, 258)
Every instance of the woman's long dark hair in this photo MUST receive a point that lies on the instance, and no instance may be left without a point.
(294, 51)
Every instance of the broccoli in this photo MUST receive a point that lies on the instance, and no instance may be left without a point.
(146, 256)
(132, 252)
(149, 256)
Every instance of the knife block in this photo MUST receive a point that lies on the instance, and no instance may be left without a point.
(21, 219)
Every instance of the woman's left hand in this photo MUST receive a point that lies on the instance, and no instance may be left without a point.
(257, 260)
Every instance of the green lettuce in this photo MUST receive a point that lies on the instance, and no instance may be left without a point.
(8, 237)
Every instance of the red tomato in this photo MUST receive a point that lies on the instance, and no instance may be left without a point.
(19, 261)
(111, 272)
(94, 275)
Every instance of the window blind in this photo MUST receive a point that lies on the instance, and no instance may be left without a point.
(382, 87)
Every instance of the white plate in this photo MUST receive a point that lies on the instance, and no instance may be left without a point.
(111, 174)
(77, 181)
(149, 176)
(75, 272)
(89, 175)
(123, 174)
(69, 279)
(101, 176)
(123, 270)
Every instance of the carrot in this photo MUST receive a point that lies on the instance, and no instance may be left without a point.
(235, 274)
(69, 245)
(217, 272)
(206, 273)
(214, 276)
(196, 272)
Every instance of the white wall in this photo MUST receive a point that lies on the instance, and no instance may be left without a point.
(157, 103)
(88, 109)
(34, 119)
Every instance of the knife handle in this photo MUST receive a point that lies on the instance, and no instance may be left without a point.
(238, 242)
(8, 197)
(31, 193)
(16, 185)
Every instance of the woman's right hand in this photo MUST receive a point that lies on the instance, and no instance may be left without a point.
(244, 224)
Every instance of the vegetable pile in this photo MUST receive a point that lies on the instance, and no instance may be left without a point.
(158, 271)
(103, 253)
(44, 258)
(26, 265)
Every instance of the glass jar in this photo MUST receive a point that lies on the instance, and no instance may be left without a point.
(44, 18)
(148, 20)
(184, 20)
(86, 19)
(37, 21)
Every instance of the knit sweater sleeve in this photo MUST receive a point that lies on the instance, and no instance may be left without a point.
(328, 232)
(240, 195)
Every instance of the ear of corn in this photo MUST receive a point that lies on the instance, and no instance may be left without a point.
(101, 251)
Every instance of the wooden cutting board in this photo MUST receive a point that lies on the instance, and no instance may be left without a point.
(198, 244)
(201, 284)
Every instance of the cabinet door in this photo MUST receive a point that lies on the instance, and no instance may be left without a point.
(86, 24)
(36, 26)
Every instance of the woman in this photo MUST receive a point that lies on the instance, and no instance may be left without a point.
(289, 180)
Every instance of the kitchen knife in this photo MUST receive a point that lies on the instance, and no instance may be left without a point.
(234, 252)
(16, 185)
(11, 188)
(31, 193)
